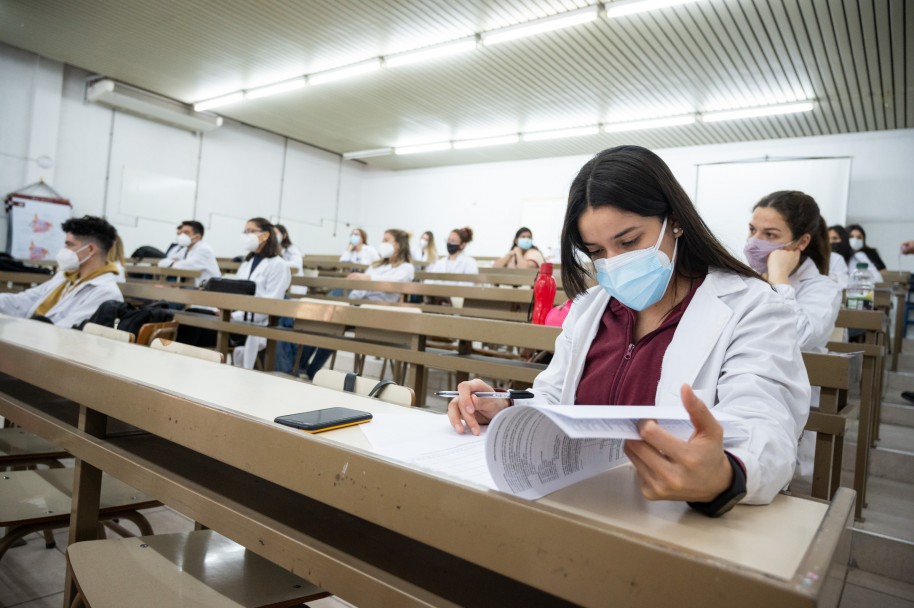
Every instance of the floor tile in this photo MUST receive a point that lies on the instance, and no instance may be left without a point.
(861, 597)
(31, 572)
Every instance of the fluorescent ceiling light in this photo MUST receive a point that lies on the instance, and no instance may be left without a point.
(560, 133)
(784, 108)
(276, 89)
(538, 26)
(431, 52)
(651, 123)
(367, 153)
(161, 109)
(216, 102)
(486, 141)
(355, 69)
(436, 147)
(620, 8)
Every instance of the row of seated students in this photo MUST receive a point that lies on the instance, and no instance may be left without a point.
(675, 319)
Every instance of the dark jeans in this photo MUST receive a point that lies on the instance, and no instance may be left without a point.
(286, 351)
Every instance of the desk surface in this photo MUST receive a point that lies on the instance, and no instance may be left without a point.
(587, 525)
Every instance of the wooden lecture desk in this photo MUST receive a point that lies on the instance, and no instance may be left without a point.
(379, 533)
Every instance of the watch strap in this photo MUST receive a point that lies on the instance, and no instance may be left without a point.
(727, 499)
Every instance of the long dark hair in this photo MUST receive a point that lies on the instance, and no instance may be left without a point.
(870, 252)
(634, 179)
(801, 213)
(842, 248)
(271, 247)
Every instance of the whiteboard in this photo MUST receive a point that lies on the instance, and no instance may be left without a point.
(726, 192)
(157, 196)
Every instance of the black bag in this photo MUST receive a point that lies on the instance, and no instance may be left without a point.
(128, 317)
(10, 264)
(238, 286)
(148, 251)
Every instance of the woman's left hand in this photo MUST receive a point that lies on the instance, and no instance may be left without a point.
(358, 276)
(669, 468)
(781, 263)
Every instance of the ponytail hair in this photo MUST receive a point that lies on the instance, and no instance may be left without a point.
(801, 213)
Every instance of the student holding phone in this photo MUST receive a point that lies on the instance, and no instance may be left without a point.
(675, 319)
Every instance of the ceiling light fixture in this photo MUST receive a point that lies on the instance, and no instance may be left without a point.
(276, 89)
(560, 133)
(137, 101)
(650, 123)
(486, 141)
(355, 69)
(784, 108)
(431, 52)
(367, 153)
(419, 149)
(216, 102)
(538, 26)
(621, 8)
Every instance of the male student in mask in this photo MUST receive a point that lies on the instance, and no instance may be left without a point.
(191, 253)
(84, 279)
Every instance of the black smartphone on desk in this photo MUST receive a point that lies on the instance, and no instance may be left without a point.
(326, 419)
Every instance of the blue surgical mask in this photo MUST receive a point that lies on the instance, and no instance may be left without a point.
(356, 240)
(639, 278)
(525, 243)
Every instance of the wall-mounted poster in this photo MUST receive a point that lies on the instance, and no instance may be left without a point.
(35, 231)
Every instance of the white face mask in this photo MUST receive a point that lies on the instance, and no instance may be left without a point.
(183, 240)
(250, 242)
(423, 243)
(68, 260)
(385, 250)
(355, 240)
(856, 244)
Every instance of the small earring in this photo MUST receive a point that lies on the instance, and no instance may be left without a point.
(677, 230)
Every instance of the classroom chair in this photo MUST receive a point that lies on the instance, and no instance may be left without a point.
(167, 330)
(187, 350)
(202, 569)
(22, 449)
(390, 393)
(94, 329)
(37, 501)
(398, 339)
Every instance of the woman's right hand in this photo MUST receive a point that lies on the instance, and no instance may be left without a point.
(472, 410)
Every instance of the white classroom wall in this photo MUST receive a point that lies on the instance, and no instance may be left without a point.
(106, 162)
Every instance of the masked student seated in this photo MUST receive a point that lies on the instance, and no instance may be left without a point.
(85, 278)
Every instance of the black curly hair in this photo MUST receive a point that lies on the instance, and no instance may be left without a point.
(94, 228)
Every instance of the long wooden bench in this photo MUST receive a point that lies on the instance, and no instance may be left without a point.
(20, 281)
(835, 374)
(418, 327)
(170, 276)
(899, 282)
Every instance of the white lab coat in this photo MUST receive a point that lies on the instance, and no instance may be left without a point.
(815, 299)
(736, 346)
(403, 273)
(73, 308)
(199, 257)
(463, 264)
(272, 278)
(293, 257)
(861, 258)
(366, 255)
(837, 270)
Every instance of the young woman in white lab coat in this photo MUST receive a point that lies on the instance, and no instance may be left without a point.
(395, 265)
(674, 320)
(426, 252)
(864, 254)
(263, 265)
(788, 245)
(359, 251)
(457, 261)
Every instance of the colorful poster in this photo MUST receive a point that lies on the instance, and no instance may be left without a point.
(35, 231)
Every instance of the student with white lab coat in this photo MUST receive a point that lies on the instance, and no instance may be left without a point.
(456, 261)
(395, 265)
(263, 265)
(191, 253)
(359, 251)
(788, 245)
(85, 279)
(674, 320)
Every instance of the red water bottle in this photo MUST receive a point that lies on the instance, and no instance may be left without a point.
(543, 293)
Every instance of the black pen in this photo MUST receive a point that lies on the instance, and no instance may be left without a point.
(493, 395)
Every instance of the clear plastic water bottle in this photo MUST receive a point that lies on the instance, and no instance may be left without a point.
(860, 289)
